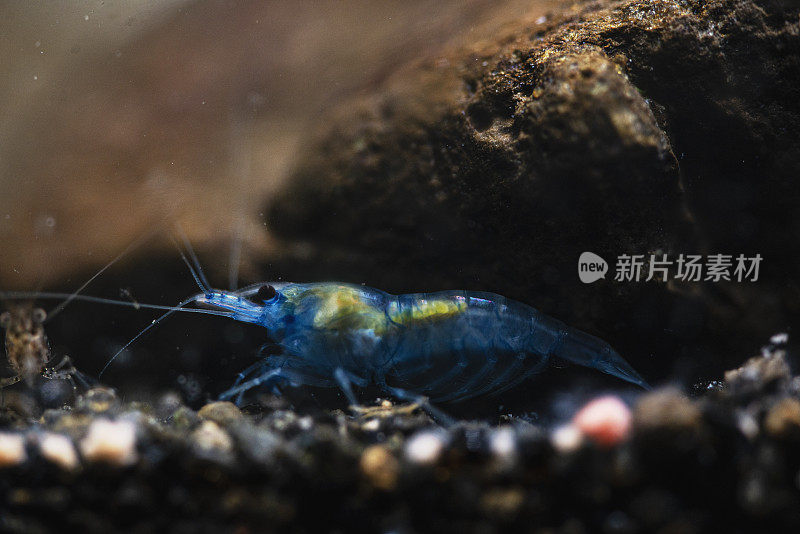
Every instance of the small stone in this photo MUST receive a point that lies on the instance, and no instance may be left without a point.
(12, 449)
(779, 339)
(98, 400)
(185, 418)
(305, 423)
(111, 442)
(503, 443)
(424, 447)
(502, 502)
(258, 443)
(666, 408)
(210, 437)
(58, 449)
(223, 413)
(380, 467)
(759, 373)
(566, 438)
(606, 421)
(783, 419)
(747, 424)
(70, 423)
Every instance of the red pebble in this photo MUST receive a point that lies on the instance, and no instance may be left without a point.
(606, 421)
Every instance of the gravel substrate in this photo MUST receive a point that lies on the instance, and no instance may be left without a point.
(726, 457)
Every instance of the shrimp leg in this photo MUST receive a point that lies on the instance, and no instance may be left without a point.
(343, 378)
(422, 401)
(244, 374)
(66, 370)
(241, 376)
(512, 378)
(282, 370)
(448, 377)
(472, 383)
(509, 376)
(260, 364)
(267, 376)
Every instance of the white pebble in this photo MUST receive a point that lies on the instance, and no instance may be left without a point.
(58, 449)
(566, 438)
(371, 425)
(112, 442)
(306, 423)
(779, 339)
(424, 447)
(12, 449)
(209, 436)
(503, 443)
(747, 424)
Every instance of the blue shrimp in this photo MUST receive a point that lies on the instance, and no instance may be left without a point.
(447, 346)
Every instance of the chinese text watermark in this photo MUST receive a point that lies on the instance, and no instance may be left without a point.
(660, 267)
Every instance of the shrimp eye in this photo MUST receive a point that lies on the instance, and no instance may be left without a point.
(264, 294)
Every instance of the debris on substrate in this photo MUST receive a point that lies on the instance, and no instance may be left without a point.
(727, 457)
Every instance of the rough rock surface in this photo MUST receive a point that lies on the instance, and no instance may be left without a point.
(727, 459)
(633, 127)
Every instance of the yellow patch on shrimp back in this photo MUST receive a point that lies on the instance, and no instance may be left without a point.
(427, 310)
(342, 308)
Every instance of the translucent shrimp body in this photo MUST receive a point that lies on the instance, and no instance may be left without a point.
(449, 346)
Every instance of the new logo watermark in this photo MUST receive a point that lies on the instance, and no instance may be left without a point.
(684, 268)
(591, 267)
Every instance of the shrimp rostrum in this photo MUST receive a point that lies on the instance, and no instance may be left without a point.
(446, 346)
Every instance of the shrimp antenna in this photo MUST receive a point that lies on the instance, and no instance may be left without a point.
(58, 309)
(241, 150)
(235, 258)
(179, 307)
(192, 255)
(192, 270)
(197, 271)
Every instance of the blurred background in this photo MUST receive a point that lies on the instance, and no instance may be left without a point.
(120, 116)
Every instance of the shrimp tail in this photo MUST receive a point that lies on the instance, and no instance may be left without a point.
(583, 349)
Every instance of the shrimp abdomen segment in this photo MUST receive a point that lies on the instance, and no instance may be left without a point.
(456, 345)
(462, 344)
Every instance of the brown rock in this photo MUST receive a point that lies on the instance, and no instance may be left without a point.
(783, 419)
(495, 167)
(223, 413)
(759, 373)
(666, 409)
(380, 467)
